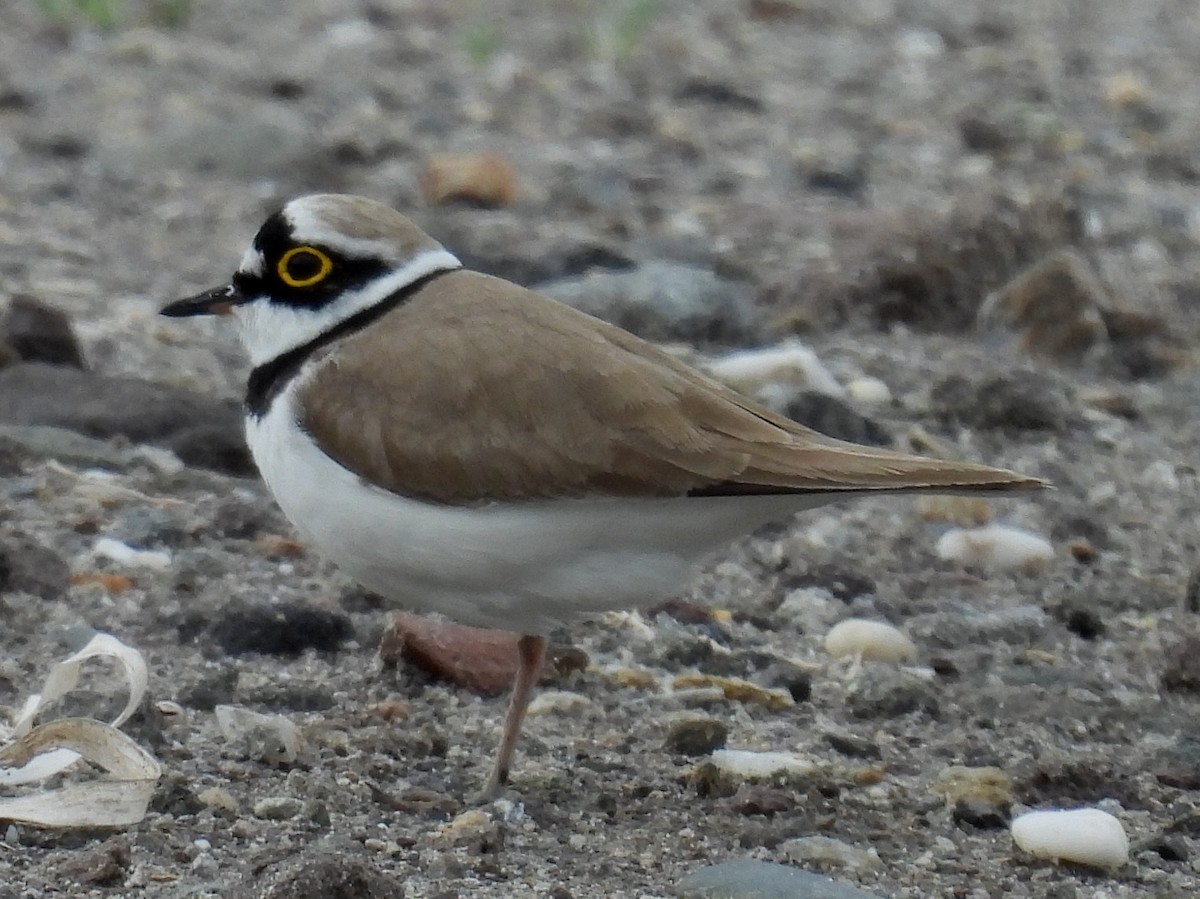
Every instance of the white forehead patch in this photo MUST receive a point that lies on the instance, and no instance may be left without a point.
(252, 263)
(309, 227)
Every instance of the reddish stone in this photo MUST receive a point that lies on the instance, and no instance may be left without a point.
(482, 660)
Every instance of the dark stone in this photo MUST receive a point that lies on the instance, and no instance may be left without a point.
(854, 747)
(27, 567)
(1080, 620)
(1080, 782)
(105, 865)
(844, 585)
(1181, 673)
(1191, 593)
(696, 736)
(833, 417)
(215, 687)
(1018, 401)
(203, 431)
(1178, 766)
(981, 815)
(847, 180)
(684, 611)
(41, 333)
(1167, 848)
(173, 795)
(706, 90)
(788, 676)
(335, 869)
(286, 629)
(981, 133)
(213, 446)
(764, 801)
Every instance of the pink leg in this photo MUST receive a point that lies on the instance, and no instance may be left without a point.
(531, 653)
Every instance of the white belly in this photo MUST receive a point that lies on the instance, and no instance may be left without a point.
(518, 566)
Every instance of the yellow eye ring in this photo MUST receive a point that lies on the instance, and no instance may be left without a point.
(305, 256)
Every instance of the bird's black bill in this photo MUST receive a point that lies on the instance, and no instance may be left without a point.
(218, 301)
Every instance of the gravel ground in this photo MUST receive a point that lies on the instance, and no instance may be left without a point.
(865, 172)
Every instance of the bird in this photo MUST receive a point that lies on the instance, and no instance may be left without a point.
(463, 445)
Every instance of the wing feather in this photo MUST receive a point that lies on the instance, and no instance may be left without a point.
(537, 400)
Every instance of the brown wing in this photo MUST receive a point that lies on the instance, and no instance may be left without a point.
(477, 390)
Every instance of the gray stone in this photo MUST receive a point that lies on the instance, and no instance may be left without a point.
(66, 446)
(892, 698)
(746, 879)
(26, 567)
(1017, 401)
(41, 333)
(695, 735)
(277, 808)
(201, 430)
(333, 869)
(664, 301)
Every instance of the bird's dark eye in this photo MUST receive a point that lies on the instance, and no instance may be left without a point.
(304, 267)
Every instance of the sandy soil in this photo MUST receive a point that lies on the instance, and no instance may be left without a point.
(808, 149)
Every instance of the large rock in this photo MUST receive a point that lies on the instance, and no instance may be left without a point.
(664, 301)
(202, 431)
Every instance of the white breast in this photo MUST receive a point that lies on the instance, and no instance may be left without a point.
(517, 566)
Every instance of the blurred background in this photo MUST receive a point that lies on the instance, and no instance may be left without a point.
(850, 164)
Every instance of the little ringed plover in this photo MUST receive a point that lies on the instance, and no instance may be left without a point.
(470, 447)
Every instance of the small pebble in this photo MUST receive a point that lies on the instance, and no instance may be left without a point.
(826, 852)
(116, 551)
(277, 808)
(790, 366)
(876, 641)
(558, 702)
(869, 391)
(470, 826)
(748, 764)
(1086, 836)
(996, 546)
(486, 179)
(749, 879)
(987, 784)
(218, 798)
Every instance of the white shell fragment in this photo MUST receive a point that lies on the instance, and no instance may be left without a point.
(876, 641)
(124, 554)
(30, 753)
(790, 364)
(747, 764)
(271, 738)
(1086, 836)
(996, 546)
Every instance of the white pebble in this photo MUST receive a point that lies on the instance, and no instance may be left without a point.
(558, 702)
(876, 641)
(750, 765)
(869, 391)
(108, 548)
(1086, 836)
(995, 546)
(788, 365)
